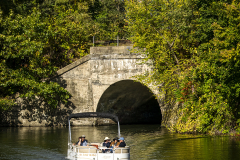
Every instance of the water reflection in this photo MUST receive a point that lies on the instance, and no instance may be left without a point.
(31, 143)
(148, 142)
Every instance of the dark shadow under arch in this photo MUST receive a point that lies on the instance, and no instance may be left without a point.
(132, 102)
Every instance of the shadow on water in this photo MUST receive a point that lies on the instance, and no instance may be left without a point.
(28, 152)
(32, 143)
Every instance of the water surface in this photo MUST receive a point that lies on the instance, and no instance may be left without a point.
(147, 142)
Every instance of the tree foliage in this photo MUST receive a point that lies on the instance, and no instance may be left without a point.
(109, 18)
(38, 37)
(195, 48)
(35, 44)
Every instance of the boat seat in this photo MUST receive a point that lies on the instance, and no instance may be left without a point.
(124, 149)
(99, 144)
(95, 145)
(86, 149)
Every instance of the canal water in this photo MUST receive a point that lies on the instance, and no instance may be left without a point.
(147, 142)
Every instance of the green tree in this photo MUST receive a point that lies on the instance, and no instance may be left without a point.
(35, 45)
(109, 17)
(163, 28)
(194, 47)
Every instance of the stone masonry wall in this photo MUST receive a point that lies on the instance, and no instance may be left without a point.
(86, 79)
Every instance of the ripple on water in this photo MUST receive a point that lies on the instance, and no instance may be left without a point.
(147, 142)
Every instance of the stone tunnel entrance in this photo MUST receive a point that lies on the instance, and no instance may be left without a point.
(132, 102)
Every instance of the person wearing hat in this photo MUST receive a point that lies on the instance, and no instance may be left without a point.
(114, 143)
(82, 141)
(122, 142)
(106, 143)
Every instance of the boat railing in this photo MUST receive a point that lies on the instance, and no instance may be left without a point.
(97, 149)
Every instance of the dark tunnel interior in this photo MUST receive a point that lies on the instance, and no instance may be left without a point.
(132, 102)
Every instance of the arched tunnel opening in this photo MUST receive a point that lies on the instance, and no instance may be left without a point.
(132, 102)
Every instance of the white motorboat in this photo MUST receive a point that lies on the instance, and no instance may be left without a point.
(94, 151)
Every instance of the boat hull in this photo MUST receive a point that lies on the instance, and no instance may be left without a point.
(74, 153)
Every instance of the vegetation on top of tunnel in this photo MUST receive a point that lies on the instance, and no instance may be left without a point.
(194, 46)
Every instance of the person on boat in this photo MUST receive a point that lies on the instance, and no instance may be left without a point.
(79, 139)
(82, 141)
(122, 142)
(106, 143)
(114, 143)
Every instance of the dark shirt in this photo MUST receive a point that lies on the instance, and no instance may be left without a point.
(122, 144)
(83, 143)
(107, 144)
